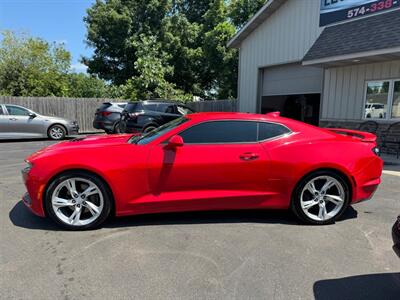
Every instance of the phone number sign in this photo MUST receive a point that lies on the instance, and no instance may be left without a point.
(332, 11)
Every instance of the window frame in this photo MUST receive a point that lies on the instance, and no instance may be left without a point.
(389, 99)
(17, 106)
(239, 143)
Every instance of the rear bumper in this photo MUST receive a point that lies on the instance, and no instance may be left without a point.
(367, 180)
(104, 125)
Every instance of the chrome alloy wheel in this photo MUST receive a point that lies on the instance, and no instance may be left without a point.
(77, 201)
(322, 198)
(56, 133)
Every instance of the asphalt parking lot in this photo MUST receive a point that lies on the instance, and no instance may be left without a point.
(212, 255)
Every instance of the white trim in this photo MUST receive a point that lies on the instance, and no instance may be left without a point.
(351, 56)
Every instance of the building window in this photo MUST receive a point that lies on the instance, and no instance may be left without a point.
(382, 100)
(396, 100)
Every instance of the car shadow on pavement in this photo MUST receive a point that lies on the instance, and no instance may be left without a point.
(5, 141)
(21, 216)
(371, 286)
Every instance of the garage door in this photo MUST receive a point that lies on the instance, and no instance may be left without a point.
(291, 79)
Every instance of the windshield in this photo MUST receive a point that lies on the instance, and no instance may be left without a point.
(152, 135)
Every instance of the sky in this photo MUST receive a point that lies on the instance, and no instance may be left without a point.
(59, 21)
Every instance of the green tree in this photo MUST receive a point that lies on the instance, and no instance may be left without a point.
(84, 86)
(189, 36)
(113, 29)
(32, 67)
(152, 69)
(240, 11)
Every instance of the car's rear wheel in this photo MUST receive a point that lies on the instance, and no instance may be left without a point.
(78, 200)
(56, 132)
(321, 198)
(117, 128)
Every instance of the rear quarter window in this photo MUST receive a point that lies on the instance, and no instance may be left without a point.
(270, 130)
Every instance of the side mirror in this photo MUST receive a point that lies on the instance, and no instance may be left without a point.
(32, 115)
(175, 142)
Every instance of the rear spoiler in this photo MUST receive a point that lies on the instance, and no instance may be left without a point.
(362, 135)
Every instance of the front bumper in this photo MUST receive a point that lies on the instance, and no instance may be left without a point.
(34, 195)
(396, 237)
(73, 129)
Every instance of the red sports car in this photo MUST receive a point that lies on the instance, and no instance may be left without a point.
(205, 161)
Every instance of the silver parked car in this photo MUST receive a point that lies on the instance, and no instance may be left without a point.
(17, 122)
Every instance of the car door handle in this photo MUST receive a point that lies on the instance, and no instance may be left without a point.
(248, 156)
(13, 119)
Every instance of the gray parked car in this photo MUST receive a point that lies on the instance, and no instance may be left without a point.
(17, 122)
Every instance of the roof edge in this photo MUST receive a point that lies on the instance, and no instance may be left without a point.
(245, 31)
(355, 55)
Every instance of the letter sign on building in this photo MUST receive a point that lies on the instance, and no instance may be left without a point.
(332, 11)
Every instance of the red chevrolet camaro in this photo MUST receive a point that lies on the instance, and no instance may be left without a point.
(205, 161)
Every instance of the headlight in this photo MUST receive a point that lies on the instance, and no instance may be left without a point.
(27, 167)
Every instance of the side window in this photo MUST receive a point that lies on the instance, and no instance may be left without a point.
(270, 130)
(170, 109)
(152, 107)
(221, 132)
(1, 110)
(17, 111)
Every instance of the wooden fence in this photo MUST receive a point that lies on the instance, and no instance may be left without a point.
(82, 109)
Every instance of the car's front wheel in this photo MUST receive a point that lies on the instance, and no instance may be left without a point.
(56, 132)
(321, 198)
(78, 200)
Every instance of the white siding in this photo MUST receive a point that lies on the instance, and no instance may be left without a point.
(344, 88)
(284, 37)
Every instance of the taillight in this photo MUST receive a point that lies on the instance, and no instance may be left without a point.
(375, 150)
(105, 113)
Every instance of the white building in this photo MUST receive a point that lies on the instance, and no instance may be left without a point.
(322, 61)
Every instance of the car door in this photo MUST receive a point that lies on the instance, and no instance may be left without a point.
(4, 128)
(21, 124)
(221, 165)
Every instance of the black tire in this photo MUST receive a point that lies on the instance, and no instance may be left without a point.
(106, 193)
(117, 129)
(149, 128)
(296, 197)
(56, 132)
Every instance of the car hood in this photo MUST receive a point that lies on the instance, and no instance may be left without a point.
(93, 141)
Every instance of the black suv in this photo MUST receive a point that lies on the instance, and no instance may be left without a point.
(144, 116)
(107, 116)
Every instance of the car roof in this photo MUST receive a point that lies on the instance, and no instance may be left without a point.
(234, 116)
(157, 102)
(273, 117)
